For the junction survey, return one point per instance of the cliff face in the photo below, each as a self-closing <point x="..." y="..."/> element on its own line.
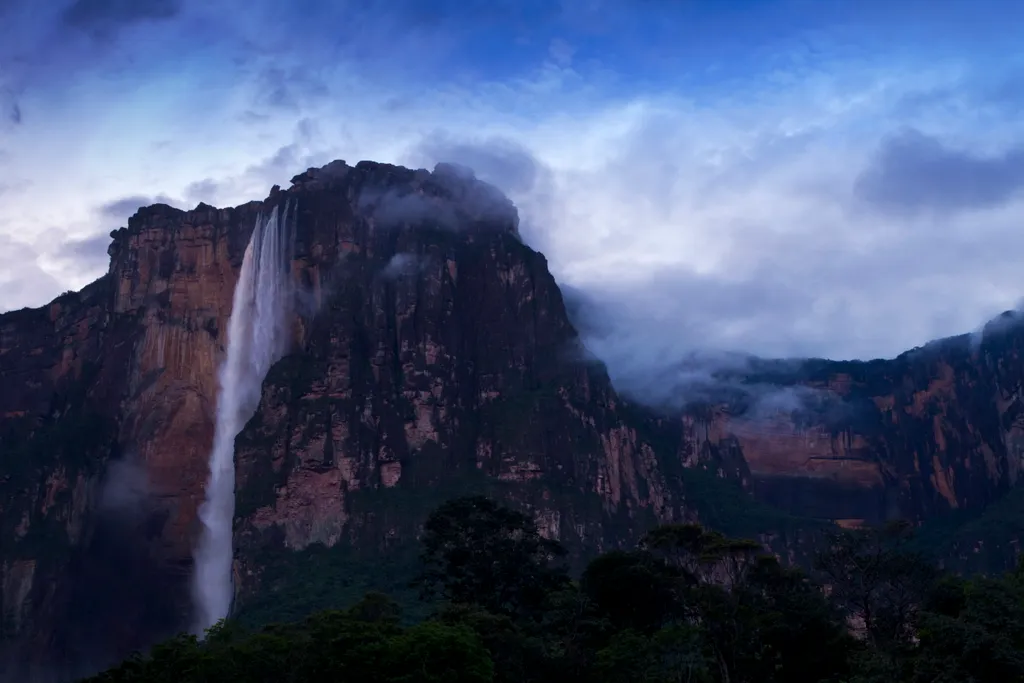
<point x="432" y="356"/>
<point x="433" y="361"/>
<point x="431" y="352"/>
<point x="937" y="430"/>
<point x="106" y="413"/>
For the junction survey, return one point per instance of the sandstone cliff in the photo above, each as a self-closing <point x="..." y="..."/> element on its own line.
<point x="106" y="418"/>
<point x="936" y="430"/>
<point x="431" y="350"/>
<point x="432" y="355"/>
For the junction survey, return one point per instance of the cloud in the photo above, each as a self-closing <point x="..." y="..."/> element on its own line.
<point x="1009" y="89"/>
<point x="506" y="164"/>
<point x="49" y="46"/>
<point x="690" y="241"/>
<point x="402" y="264"/>
<point x="125" y="488"/>
<point x="125" y="207"/>
<point x="1006" y="321"/>
<point x="22" y="280"/>
<point x="106" y="14"/>
<point x="203" y="191"/>
<point x="89" y="255"/>
<point x="914" y="172"/>
<point x="701" y="187"/>
<point x="291" y="88"/>
<point x="255" y="180"/>
<point x="393" y="209"/>
<point x="457" y="199"/>
<point x="501" y="162"/>
<point x="561" y="52"/>
<point x="656" y="369"/>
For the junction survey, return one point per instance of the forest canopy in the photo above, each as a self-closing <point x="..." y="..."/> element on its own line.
<point x="686" y="605"/>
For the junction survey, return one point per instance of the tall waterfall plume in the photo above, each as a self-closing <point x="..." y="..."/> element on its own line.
<point x="258" y="336"/>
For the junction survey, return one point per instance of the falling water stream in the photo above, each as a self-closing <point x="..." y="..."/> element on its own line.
<point x="258" y="336"/>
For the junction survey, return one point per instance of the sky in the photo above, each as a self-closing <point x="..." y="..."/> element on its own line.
<point x="779" y="177"/>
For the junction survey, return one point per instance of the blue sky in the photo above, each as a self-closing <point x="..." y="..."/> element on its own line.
<point x="786" y="177"/>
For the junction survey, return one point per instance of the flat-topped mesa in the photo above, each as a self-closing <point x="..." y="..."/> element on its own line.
<point x="450" y="197"/>
<point x="419" y="304"/>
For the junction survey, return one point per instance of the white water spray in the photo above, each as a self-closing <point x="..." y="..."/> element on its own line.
<point x="258" y="335"/>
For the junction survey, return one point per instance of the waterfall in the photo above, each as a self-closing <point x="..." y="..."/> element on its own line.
<point x="258" y="336"/>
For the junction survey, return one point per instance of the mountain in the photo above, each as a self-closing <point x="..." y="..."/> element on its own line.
<point x="431" y="355"/>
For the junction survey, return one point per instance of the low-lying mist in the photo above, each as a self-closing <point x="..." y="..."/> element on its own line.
<point x="681" y="329"/>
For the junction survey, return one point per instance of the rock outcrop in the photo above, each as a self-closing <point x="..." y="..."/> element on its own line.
<point x="432" y="355"/>
<point x="938" y="429"/>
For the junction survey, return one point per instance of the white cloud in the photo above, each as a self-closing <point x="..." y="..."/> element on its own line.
<point x="703" y="212"/>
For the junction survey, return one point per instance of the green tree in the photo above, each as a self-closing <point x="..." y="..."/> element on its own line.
<point x="756" y="617"/>
<point x="974" y="637"/>
<point x="671" y="655"/>
<point x="433" y="652"/>
<point x="475" y="551"/>
<point x="876" y="579"/>
<point x="704" y="555"/>
<point x="633" y="590"/>
<point x="517" y="654"/>
<point x="804" y="636"/>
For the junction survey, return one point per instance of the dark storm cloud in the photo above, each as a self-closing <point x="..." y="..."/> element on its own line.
<point x="122" y="209"/>
<point x="284" y="163"/>
<point x="203" y="191"/>
<point x="470" y="200"/>
<point x="94" y="14"/>
<point x="913" y="172"/>
<point x="256" y="179"/>
<point x="293" y="88"/>
<point x="507" y="165"/>
<point x="87" y="254"/>
<point x="50" y="44"/>
<point x="503" y="163"/>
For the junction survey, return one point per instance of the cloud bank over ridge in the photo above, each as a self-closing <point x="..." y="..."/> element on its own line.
<point x="780" y="178"/>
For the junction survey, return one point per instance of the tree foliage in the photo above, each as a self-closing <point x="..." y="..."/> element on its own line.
<point x="687" y="605"/>
<point x="475" y="551"/>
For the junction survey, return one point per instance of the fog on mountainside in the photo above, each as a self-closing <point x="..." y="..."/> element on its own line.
<point x="653" y="353"/>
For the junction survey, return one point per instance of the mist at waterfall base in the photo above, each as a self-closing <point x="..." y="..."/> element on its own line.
<point x="258" y="336"/>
